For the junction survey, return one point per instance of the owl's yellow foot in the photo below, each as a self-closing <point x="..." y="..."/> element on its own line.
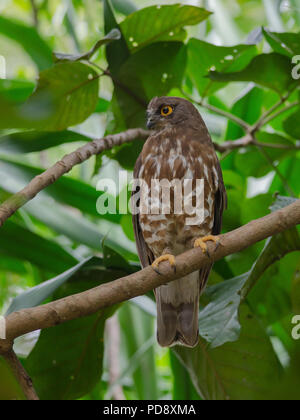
<point x="165" y="257"/>
<point x="201" y="243"/>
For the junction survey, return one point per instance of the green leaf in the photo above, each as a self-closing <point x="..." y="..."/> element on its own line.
<point x="242" y="370"/>
<point x="153" y="71"/>
<point x="283" y="43"/>
<point x="116" y="53"/>
<point x="36" y="295"/>
<point x="202" y="57"/>
<point x="72" y="89"/>
<point x="273" y="71"/>
<point x="218" y="321"/>
<point x="19" y="242"/>
<point x="291" y="124"/>
<point x="113" y="35"/>
<point x="36" y="141"/>
<point x="29" y="39"/>
<point x="160" y="23"/>
<point x="248" y="108"/>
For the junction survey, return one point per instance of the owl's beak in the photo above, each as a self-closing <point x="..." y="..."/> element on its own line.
<point x="150" y="123"/>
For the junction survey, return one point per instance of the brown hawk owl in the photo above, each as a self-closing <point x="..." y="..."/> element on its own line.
<point x="180" y="148"/>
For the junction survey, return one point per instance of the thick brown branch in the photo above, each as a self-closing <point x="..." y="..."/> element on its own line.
<point x="89" y="302"/>
<point x="21" y="375"/>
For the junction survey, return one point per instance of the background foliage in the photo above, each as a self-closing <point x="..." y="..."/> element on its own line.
<point x="100" y="82"/>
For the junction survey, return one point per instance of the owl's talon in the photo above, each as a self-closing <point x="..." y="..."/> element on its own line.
<point x="201" y="243"/>
<point x="166" y="257"/>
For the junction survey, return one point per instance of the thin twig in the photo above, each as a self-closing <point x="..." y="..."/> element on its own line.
<point x="278" y="113"/>
<point x="221" y="112"/>
<point x="267" y="116"/>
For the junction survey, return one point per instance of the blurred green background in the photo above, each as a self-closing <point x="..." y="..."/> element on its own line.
<point x="246" y="351"/>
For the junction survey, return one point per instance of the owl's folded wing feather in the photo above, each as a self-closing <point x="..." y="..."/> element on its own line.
<point x="145" y="254"/>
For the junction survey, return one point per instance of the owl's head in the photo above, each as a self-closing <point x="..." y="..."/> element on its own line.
<point x="168" y="111"/>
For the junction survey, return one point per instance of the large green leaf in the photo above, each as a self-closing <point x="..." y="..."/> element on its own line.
<point x="269" y="70"/>
<point x="153" y="71"/>
<point x="35" y="141"/>
<point x="29" y="39"/>
<point x="160" y="23"/>
<point x="202" y="57"/>
<point x="72" y="89"/>
<point x="242" y="370"/>
<point x="17" y="241"/>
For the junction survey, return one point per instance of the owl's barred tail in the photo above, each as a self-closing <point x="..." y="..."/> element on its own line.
<point x="177" y="312"/>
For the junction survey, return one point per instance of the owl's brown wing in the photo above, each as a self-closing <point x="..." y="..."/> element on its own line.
<point x="145" y="254"/>
<point x="220" y="205"/>
<point x="220" y="201"/>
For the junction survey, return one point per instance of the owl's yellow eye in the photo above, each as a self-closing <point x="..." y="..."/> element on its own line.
<point x="166" y="110"/>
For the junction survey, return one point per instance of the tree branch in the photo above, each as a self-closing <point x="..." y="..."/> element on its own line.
<point x="21" y="375"/>
<point x="108" y="294"/>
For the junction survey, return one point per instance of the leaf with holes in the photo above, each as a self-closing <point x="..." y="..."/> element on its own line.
<point x="202" y="57"/>
<point x="273" y="71"/>
<point x="160" y="23"/>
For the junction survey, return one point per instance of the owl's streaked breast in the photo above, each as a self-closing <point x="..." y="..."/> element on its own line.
<point x="175" y="159"/>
